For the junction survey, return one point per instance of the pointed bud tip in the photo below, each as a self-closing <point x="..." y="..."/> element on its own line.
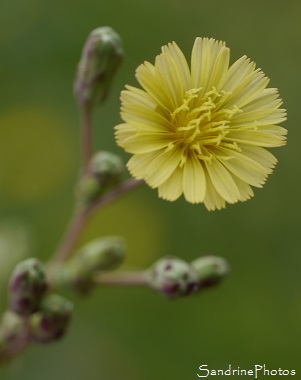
<point x="210" y="270"/>
<point x="101" y="56"/>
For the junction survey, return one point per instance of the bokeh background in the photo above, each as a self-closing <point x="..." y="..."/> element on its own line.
<point x="134" y="334"/>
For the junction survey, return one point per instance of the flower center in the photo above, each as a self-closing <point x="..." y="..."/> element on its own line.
<point x="201" y="122"/>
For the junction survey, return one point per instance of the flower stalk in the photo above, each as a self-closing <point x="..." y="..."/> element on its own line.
<point x="86" y="138"/>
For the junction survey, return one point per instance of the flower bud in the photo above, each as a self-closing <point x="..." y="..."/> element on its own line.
<point x="101" y="254"/>
<point x="101" y="56"/>
<point x="108" y="168"/>
<point x="88" y="190"/>
<point x="98" y="255"/>
<point x="105" y="171"/>
<point x="173" y="277"/>
<point x="210" y="270"/>
<point x="11" y="327"/>
<point x="27" y="287"/>
<point x="51" y="322"/>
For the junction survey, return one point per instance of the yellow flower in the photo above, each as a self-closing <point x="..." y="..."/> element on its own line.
<point x="201" y="131"/>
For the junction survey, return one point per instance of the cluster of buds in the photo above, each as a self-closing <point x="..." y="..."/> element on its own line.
<point x="105" y="171"/>
<point x="174" y="277"/>
<point x="99" y="255"/>
<point x="46" y="315"/>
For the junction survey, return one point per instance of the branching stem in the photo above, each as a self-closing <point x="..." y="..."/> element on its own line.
<point x="80" y="219"/>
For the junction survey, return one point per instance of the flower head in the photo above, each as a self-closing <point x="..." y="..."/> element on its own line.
<point x="201" y="130"/>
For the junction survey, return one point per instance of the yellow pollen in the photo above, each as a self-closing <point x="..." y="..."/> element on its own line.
<point x="200" y="122"/>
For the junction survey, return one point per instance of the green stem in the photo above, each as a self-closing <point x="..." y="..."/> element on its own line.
<point x="79" y="220"/>
<point x="86" y="137"/>
<point x="122" y="278"/>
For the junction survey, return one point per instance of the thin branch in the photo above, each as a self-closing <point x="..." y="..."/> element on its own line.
<point x="79" y="220"/>
<point x="122" y="279"/>
<point x="86" y="137"/>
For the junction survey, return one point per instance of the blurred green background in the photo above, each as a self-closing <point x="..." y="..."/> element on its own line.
<point x="134" y="334"/>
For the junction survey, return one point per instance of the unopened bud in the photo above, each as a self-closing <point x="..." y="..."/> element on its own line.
<point x="99" y="255"/>
<point x="51" y="322"/>
<point x="105" y="171"/>
<point x="101" y="56"/>
<point x="88" y="190"/>
<point x="173" y="277"/>
<point x="102" y="254"/>
<point x="27" y="287"/>
<point x="210" y="270"/>
<point x="11" y="327"/>
<point x="108" y="168"/>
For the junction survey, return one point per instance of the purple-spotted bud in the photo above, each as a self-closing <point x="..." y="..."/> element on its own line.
<point x="51" y="322"/>
<point x="101" y="56"/>
<point x="27" y="287"/>
<point x="210" y="270"/>
<point x="173" y="277"/>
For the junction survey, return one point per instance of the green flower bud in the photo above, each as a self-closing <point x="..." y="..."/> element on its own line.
<point x="108" y="168"/>
<point x="105" y="171"/>
<point x="51" y="322"/>
<point x="11" y="327"/>
<point x="27" y="287"/>
<point x="101" y="56"/>
<point x="210" y="270"/>
<point x="88" y="190"/>
<point x="173" y="277"/>
<point x="99" y="255"/>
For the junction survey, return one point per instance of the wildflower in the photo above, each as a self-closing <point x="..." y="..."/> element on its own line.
<point x="201" y="131"/>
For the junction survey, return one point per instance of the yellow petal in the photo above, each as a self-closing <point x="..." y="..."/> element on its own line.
<point x="170" y="79"/>
<point x="237" y="72"/>
<point x="180" y="62"/>
<point x="212" y="199"/>
<point x="145" y="143"/>
<point x="160" y="168"/>
<point x="208" y="56"/>
<point x="259" y="117"/>
<point x="242" y="166"/>
<point x="255" y="137"/>
<point x="138" y="163"/>
<point x="172" y="188"/>
<point x="194" y="180"/>
<point x="247" y="89"/>
<point x="146" y="76"/>
<point x="244" y="189"/>
<point x="222" y="180"/>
